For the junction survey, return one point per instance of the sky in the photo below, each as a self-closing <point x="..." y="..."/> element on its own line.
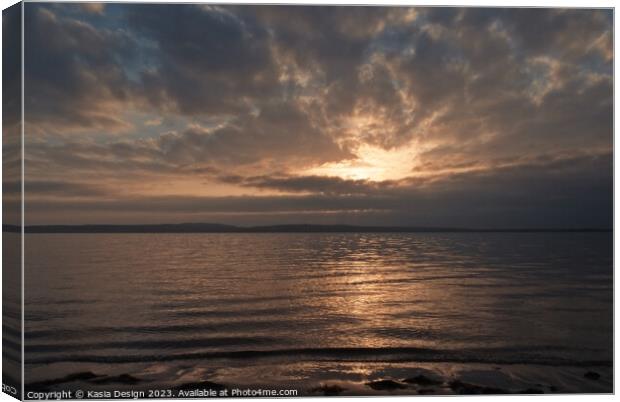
<point x="460" y="117"/>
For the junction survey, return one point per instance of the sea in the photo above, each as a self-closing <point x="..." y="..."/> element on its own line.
<point x="310" y="311"/>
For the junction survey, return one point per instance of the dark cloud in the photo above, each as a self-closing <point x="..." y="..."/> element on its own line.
<point x="211" y="62"/>
<point x="567" y="33"/>
<point x="74" y="78"/>
<point x="309" y="184"/>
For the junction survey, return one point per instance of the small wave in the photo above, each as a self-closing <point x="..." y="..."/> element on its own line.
<point x="155" y="344"/>
<point x="175" y="304"/>
<point x="395" y="354"/>
<point x="257" y="312"/>
<point x="218" y="327"/>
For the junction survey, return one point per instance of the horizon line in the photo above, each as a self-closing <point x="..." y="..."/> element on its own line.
<point x="207" y="227"/>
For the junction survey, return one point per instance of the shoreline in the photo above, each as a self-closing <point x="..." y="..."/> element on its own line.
<point x="341" y="379"/>
<point x="288" y="228"/>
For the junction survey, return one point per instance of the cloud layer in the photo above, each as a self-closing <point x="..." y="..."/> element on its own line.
<point x="275" y="114"/>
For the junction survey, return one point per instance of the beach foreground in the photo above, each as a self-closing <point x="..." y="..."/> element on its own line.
<point x="333" y="379"/>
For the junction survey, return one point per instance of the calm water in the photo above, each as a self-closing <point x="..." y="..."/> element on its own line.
<point x="101" y="301"/>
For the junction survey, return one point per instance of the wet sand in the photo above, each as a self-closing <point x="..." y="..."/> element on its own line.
<point x="342" y="379"/>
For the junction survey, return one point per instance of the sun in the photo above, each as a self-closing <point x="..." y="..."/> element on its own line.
<point x="372" y="164"/>
<point x="350" y="170"/>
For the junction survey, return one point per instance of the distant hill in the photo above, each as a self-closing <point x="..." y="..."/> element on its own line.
<point x="294" y="228"/>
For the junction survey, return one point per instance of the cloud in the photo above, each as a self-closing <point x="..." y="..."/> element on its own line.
<point x="566" y="193"/>
<point x="11" y="67"/>
<point x="54" y="188"/>
<point x="280" y="134"/>
<point x="505" y="114"/>
<point x="211" y="63"/>
<point x="95" y="8"/>
<point x="482" y="82"/>
<point x="11" y="112"/>
<point x="74" y="78"/>
<point x="309" y="184"/>
<point x="279" y="137"/>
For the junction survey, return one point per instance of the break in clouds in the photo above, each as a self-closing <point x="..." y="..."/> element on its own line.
<point x="287" y="114"/>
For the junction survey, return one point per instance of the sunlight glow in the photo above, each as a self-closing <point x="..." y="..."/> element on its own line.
<point x="372" y="163"/>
